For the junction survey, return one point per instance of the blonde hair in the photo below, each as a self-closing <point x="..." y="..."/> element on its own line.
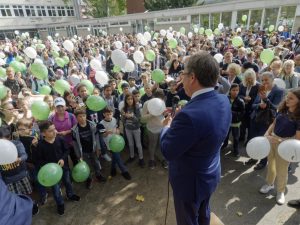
<point x="235" y="67"/>
<point x="249" y="73"/>
<point x="287" y="63"/>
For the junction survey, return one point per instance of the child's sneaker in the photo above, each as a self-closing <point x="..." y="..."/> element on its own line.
<point x="61" y="209"/>
<point x="101" y="178"/>
<point x="113" y="172"/>
<point x="35" y="209"/>
<point x="130" y="160"/>
<point x="126" y="175"/>
<point x="165" y="164"/>
<point x="106" y="157"/>
<point x="74" y="198"/>
<point x="142" y="163"/>
<point x="44" y="199"/>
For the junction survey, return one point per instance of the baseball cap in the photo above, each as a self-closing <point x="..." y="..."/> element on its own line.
<point x="59" y="102"/>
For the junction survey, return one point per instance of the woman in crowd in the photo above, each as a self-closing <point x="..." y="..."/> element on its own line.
<point x="288" y="74"/>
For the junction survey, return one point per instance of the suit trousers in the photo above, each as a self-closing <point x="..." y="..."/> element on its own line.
<point x="277" y="166"/>
<point x="190" y="213"/>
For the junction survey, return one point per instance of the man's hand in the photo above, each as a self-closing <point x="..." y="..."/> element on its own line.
<point x="61" y="163"/>
<point x="167" y="121"/>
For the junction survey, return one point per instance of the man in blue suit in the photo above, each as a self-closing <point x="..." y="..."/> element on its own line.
<point x="191" y="141"/>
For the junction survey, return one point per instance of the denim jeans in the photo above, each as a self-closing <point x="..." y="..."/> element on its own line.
<point x="116" y="160"/>
<point x="92" y="160"/>
<point x="235" y="136"/>
<point x="33" y="176"/>
<point x="103" y="146"/>
<point x="68" y="185"/>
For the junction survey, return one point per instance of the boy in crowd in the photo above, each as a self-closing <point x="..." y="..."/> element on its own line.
<point x="52" y="149"/>
<point x="86" y="144"/>
<point x="171" y="93"/>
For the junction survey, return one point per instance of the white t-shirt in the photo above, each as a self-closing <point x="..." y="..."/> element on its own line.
<point x="109" y="126"/>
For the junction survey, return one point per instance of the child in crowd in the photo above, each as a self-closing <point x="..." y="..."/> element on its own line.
<point x="109" y="128"/>
<point x="131" y="120"/>
<point x="238" y="110"/>
<point x="171" y="93"/>
<point x="86" y="144"/>
<point x="148" y="93"/>
<point x="52" y="149"/>
<point x="15" y="175"/>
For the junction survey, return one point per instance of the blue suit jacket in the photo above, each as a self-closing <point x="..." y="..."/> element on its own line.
<point x="192" y="146"/>
<point x="14" y="209"/>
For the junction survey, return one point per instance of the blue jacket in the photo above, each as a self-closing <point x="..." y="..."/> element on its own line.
<point x="192" y="145"/>
<point x="14" y="209"/>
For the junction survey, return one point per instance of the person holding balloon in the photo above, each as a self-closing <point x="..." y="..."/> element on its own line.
<point x="86" y="144"/>
<point x="285" y="126"/>
<point x="53" y="149"/>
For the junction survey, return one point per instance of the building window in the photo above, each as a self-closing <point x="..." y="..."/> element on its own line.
<point x="226" y="18"/>
<point x="51" y="10"/>
<point x="239" y="19"/>
<point x="41" y="11"/>
<point x="195" y="20"/>
<point x="214" y="20"/>
<point x="287" y="16"/>
<point x="18" y="10"/>
<point x="270" y="17"/>
<point x="61" y="11"/>
<point x="255" y="19"/>
<point x="30" y="10"/>
<point x="204" y="20"/>
<point x="70" y="11"/>
<point x="5" y="10"/>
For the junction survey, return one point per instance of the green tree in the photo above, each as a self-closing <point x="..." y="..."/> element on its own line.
<point x="104" y="8"/>
<point x="154" y="5"/>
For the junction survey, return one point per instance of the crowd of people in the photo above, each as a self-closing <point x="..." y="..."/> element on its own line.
<point x="73" y="131"/>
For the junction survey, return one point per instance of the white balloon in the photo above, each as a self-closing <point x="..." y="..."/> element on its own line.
<point x="154" y="44"/>
<point x="289" y="150"/>
<point x="2" y="62"/>
<point x="147" y="36"/>
<point x="220" y="26"/>
<point x="101" y="77"/>
<point x="156" y="106"/>
<point x="239" y="30"/>
<point x="139" y="36"/>
<point x="8" y="152"/>
<point x="280" y="83"/>
<point x="2" y="55"/>
<point x="143" y="41"/>
<point x="49" y="38"/>
<point x="55" y="47"/>
<point x="26" y="34"/>
<point x="88" y="29"/>
<point x="281" y="28"/>
<point x="34" y="41"/>
<point x="68" y="45"/>
<point x="75" y="36"/>
<point x="258" y="148"/>
<point x="129" y="66"/>
<point x="190" y="35"/>
<point x="121" y="29"/>
<point x="118" y="44"/>
<point x="30" y="52"/>
<point x="138" y="57"/>
<point x="74" y="79"/>
<point x="6" y="49"/>
<point x="218" y="57"/>
<point x="196" y="30"/>
<point x="169" y="35"/>
<point x="38" y="61"/>
<point x="211" y="37"/>
<point x="170" y="28"/>
<point x="17" y="32"/>
<point x="163" y="32"/>
<point x="73" y="40"/>
<point x="96" y="64"/>
<point x="57" y="34"/>
<point x="119" y="57"/>
<point x="88" y="37"/>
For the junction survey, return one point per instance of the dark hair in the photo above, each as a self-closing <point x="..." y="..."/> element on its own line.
<point x="80" y="86"/>
<point x="234" y="85"/>
<point x="107" y="110"/>
<point x="44" y="125"/>
<point x="79" y="111"/>
<point x="205" y="68"/>
<point x="106" y="86"/>
<point x="126" y="106"/>
<point x="158" y="93"/>
<point x="135" y="92"/>
<point x="5" y="132"/>
<point x="282" y="108"/>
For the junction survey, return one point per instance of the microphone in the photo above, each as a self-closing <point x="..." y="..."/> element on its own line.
<point x="175" y="101"/>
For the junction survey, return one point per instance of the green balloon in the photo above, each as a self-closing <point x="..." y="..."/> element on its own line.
<point x="19" y="58"/>
<point x="60" y="62"/>
<point x="2" y="72"/>
<point x="182" y="30"/>
<point x="156" y="35"/>
<point x="142" y="91"/>
<point x="158" y="75"/>
<point x="201" y="30"/>
<point x="23" y="67"/>
<point x="50" y="174"/>
<point x="182" y="102"/>
<point x="45" y="90"/>
<point x="39" y="71"/>
<point x="116" y="69"/>
<point x="120" y="86"/>
<point x="40" y="110"/>
<point x="217" y="32"/>
<point x="244" y="18"/>
<point x="116" y="143"/>
<point x="66" y="59"/>
<point x="16" y="66"/>
<point x="3" y="91"/>
<point x="95" y="103"/>
<point x="89" y="86"/>
<point x="40" y="46"/>
<point x="146" y="28"/>
<point x="266" y="56"/>
<point x="237" y="41"/>
<point x="61" y="86"/>
<point x="271" y="28"/>
<point x="81" y="172"/>
<point x="208" y="32"/>
<point x="55" y="54"/>
<point x="150" y="55"/>
<point x="172" y="43"/>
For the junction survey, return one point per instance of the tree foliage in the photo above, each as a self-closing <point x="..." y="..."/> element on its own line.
<point x="154" y="5"/>
<point x="104" y="8"/>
